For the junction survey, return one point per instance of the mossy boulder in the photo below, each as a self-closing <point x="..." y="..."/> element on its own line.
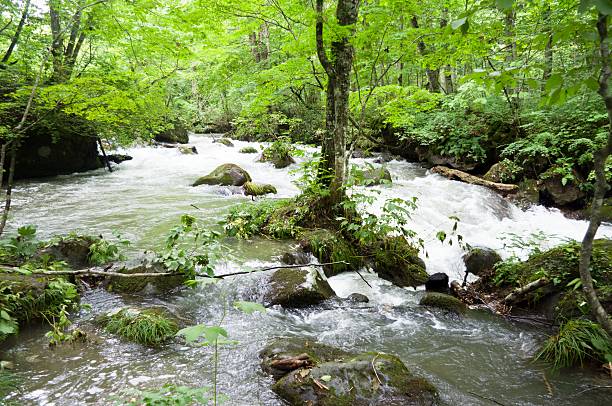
<point x="502" y="172"/>
<point x="328" y="376"/>
<point x="225" y="175"/>
<point x="187" y="150"/>
<point x="152" y="284"/>
<point x="225" y="141"/>
<point x="396" y="260"/>
<point x="555" y="193"/>
<point x="528" y="193"/>
<point x="479" y="260"/>
<point x="328" y="246"/>
<point x="373" y="176"/>
<point x="150" y="326"/>
<point x="280" y="158"/>
<point x="258" y="189"/>
<point x="72" y="249"/>
<point x="177" y="134"/>
<point x="443" y="301"/>
<point x="248" y="150"/>
<point x="301" y="287"/>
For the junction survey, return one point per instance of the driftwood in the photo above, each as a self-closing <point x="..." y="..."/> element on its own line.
<point x="292" y="363"/>
<point x="455" y="174"/>
<point x="519" y="293"/>
<point x="93" y="272"/>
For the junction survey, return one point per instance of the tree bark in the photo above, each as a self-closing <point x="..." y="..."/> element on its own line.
<point x="15" y="39"/>
<point x="601" y="184"/>
<point x="433" y="75"/>
<point x="548" y="51"/>
<point x="9" y="188"/>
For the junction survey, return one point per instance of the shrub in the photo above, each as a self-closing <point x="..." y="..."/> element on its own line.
<point x="149" y="327"/>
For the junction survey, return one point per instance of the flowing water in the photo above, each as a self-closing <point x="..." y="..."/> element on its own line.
<point x="470" y="359"/>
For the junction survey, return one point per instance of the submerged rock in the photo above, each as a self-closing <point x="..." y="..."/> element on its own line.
<point x="300" y="287"/>
<point x="225" y="175"/>
<point x="397" y="261"/>
<point x="443" y="301"/>
<point x="479" y="260"/>
<point x="258" y="189"/>
<point x="437" y="282"/>
<point x="307" y="372"/>
<point x="528" y="193"/>
<point x="177" y="134"/>
<point x="358" y="298"/>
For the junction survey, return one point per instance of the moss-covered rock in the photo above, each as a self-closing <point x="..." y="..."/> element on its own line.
<point x="301" y="287"/>
<point x="331" y="376"/>
<point x="397" y="261"/>
<point x="148" y="326"/>
<point x="443" y="301"/>
<point x="258" y="189"/>
<point x="503" y="172"/>
<point x="279" y="154"/>
<point x="225" y="141"/>
<point x="328" y="246"/>
<point x="528" y="194"/>
<point x="156" y="284"/>
<point x="479" y="260"/>
<point x="248" y="150"/>
<point x="187" y="150"/>
<point x="225" y="175"/>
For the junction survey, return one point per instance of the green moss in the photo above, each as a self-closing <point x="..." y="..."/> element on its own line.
<point x="248" y="150"/>
<point x="293" y="288"/>
<point x="442" y="301"/>
<point x="150" y="327"/>
<point x="328" y="246"/>
<point x="267" y="217"/>
<point x="256" y="189"/>
<point x="396" y="260"/>
<point x="135" y="285"/>
<point x="279" y="153"/>
<point x="225" y="141"/>
<point x="225" y="175"/>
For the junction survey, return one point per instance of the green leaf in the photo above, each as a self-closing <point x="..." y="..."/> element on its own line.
<point x="249" y="307"/>
<point x="326" y="378"/>
<point x="209" y="333"/>
<point x="5" y="315"/>
<point x="604" y="6"/>
<point x="554" y="82"/>
<point x="458" y="23"/>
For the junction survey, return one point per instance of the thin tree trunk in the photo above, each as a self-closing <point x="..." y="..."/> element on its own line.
<point x="2" y="160"/>
<point x="433" y="75"/>
<point x="548" y="51"/>
<point x="9" y="188"/>
<point x="601" y="184"/>
<point x="15" y="39"/>
<point x="57" y="43"/>
<point x="108" y="165"/>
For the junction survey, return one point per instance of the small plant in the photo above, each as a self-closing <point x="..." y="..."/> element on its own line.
<point x="577" y="341"/>
<point x="149" y="327"/>
<point x="103" y="251"/>
<point x="248" y="150"/>
<point x="20" y="247"/>
<point x="59" y="324"/>
<point x="168" y="395"/>
<point x="280" y="152"/>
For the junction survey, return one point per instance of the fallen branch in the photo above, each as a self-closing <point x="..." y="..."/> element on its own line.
<point x="455" y="174"/>
<point x="292" y="363"/>
<point x="93" y="272"/>
<point x="519" y="293"/>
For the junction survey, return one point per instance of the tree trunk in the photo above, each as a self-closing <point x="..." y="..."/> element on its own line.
<point x="15" y="39"/>
<point x="601" y="184"/>
<point x="548" y="52"/>
<point x="433" y="75"/>
<point x="9" y="188"/>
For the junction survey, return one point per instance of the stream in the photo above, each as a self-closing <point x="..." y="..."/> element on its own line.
<point x="469" y="359"/>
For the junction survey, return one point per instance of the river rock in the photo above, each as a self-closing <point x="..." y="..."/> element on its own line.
<point x="279" y="161"/>
<point x="225" y="141"/>
<point x="225" y="175"/>
<point x="309" y="373"/>
<point x="500" y="173"/>
<point x="555" y="193"/>
<point x="479" y="260"/>
<point x="118" y="158"/>
<point x="74" y="250"/>
<point x="248" y="150"/>
<point x="358" y="298"/>
<point x="443" y="301"/>
<point x="300" y="287"/>
<point x="178" y="134"/>
<point x="152" y="284"/>
<point x="398" y="261"/>
<point x="452" y="162"/>
<point x="129" y="323"/>
<point x="376" y="176"/>
<point x="187" y="150"/>
<point x="437" y="282"/>
<point x="258" y="189"/>
<point x="295" y="258"/>
<point x="528" y="193"/>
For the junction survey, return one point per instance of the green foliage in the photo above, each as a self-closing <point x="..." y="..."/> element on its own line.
<point x="168" y="395"/>
<point x="150" y="327"/>
<point x="103" y="251"/>
<point x="576" y="342"/>
<point x="16" y="249"/>
<point x="328" y="247"/>
<point x="189" y="248"/>
<point x="248" y="150"/>
<point x="275" y="218"/>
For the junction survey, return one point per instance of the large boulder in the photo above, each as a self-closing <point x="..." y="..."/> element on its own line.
<point x="309" y="373"/>
<point x="479" y="260"/>
<point x="555" y="193"/>
<point x="301" y="287"/>
<point x="398" y="262"/>
<point x="177" y="134"/>
<point x="502" y="172"/>
<point x="225" y="175"/>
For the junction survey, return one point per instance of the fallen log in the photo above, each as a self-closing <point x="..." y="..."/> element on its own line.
<point x="455" y="174"/>
<point x="292" y="363"/>
<point x="519" y="293"/>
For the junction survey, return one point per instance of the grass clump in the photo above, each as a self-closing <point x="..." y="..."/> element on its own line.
<point x="248" y="150"/>
<point x="150" y="327"/>
<point x="272" y="218"/>
<point x="577" y="341"/>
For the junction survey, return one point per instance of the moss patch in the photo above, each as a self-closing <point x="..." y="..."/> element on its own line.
<point x="397" y="261"/>
<point x="225" y="141"/>
<point x="328" y="246"/>
<point x="150" y="327"/>
<point x="248" y="150"/>
<point x="443" y="301"/>
<point x="225" y="175"/>
<point x="257" y="189"/>
<point x="301" y="287"/>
